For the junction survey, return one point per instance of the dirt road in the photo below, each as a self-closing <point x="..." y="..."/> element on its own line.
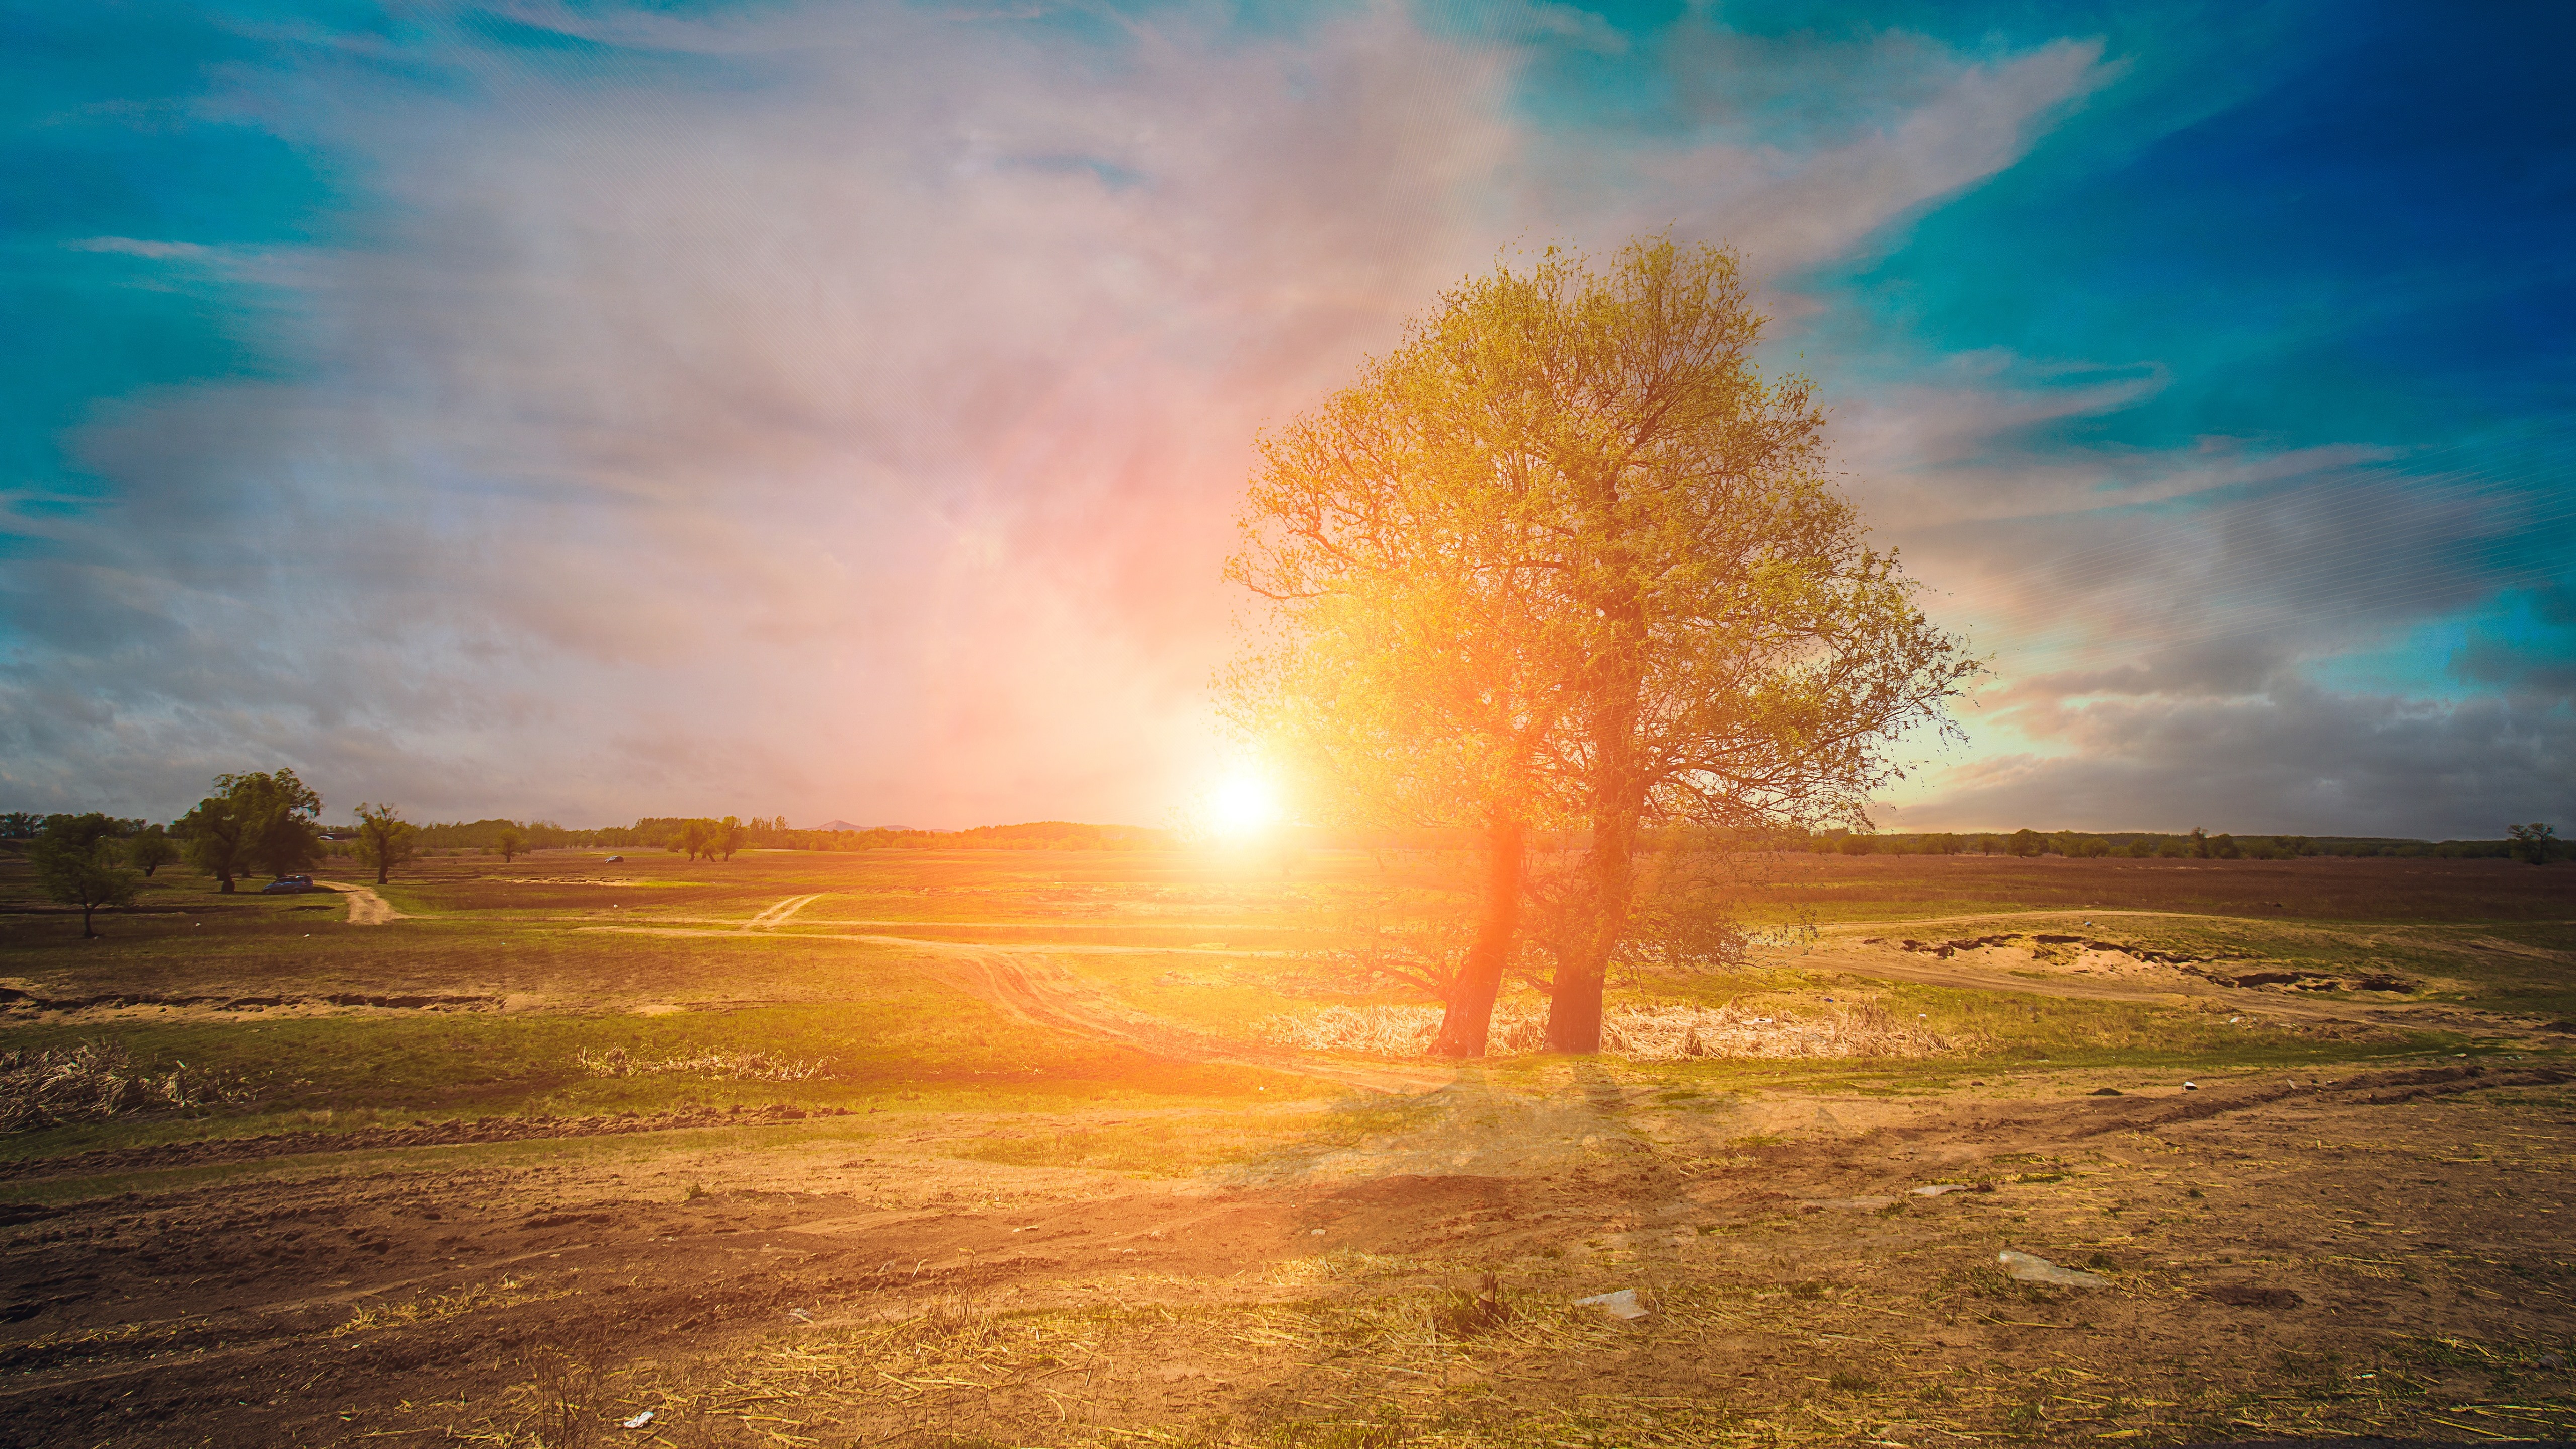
<point x="366" y="908"/>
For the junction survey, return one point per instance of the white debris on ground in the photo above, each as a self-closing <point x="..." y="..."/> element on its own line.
<point x="1622" y="1304"/>
<point x="1640" y="1033"/>
<point x="2031" y="1268"/>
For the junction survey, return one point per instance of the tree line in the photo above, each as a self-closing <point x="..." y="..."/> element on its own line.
<point x="2535" y="843"/>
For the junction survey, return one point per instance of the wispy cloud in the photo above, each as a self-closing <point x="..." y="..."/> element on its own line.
<point x="861" y="434"/>
<point x="840" y="409"/>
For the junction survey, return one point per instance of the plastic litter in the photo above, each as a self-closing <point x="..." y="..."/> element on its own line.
<point x="1314" y="1232"/>
<point x="800" y="1315"/>
<point x="1935" y="1189"/>
<point x="2031" y="1268"/>
<point x="638" y="1422"/>
<point x="1622" y="1304"/>
<point x="2191" y="1086"/>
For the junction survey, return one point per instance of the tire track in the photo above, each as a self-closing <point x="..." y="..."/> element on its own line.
<point x="779" y="914"/>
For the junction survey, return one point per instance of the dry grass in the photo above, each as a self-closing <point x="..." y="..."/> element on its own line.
<point x="90" y="1080"/>
<point x="713" y="1063"/>
<point x="434" y="1307"/>
<point x="1666" y="1033"/>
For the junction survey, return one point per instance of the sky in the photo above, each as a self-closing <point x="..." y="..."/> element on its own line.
<point x="585" y="411"/>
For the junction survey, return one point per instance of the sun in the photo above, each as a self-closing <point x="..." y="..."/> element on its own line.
<point x="1245" y="804"/>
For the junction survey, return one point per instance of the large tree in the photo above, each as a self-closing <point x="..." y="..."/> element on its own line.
<point x="1412" y="666"/>
<point x="1579" y="484"/>
<point x="77" y="863"/>
<point x="256" y="821"/>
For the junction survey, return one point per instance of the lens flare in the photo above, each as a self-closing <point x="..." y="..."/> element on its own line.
<point x="1244" y="805"/>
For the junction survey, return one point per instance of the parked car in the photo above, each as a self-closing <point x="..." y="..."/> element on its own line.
<point x="614" y="860"/>
<point x="289" y="885"/>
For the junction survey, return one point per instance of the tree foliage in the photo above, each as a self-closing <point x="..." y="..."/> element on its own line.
<point x="77" y="863"/>
<point x="385" y="839"/>
<point x="1566" y="557"/>
<point x="150" y="849"/>
<point x="2534" y="844"/>
<point x="255" y="821"/>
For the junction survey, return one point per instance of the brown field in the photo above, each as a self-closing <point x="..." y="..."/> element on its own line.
<point x="994" y="1148"/>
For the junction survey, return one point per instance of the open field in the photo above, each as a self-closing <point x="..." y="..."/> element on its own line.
<point x="1006" y="1148"/>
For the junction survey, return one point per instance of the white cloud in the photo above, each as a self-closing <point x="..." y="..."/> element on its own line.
<point x="846" y="422"/>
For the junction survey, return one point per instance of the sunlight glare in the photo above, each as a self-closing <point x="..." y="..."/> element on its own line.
<point x="1245" y="805"/>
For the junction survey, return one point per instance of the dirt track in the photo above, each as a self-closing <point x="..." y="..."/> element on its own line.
<point x="366" y="908"/>
<point x="401" y="1289"/>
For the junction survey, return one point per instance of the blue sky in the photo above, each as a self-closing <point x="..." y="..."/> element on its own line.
<point x="838" y="410"/>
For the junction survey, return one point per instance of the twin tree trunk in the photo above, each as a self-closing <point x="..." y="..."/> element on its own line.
<point x="1470" y="1013"/>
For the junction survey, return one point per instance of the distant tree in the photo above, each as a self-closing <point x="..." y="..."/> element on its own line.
<point x="2141" y="849"/>
<point x="385" y="839"/>
<point x="2027" y="843"/>
<point x="150" y="849"/>
<point x="76" y="864"/>
<point x="694" y="838"/>
<point x="21" y="825"/>
<point x="254" y="821"/>
<point x="213" y="832"/>
<point x="1943" y="844"/>
<point x="1857" y="844"/>
<point x="1989" y="844"/>
<point x="728" y="837"/>
<point x="2534" y="844"/>
<point x="2199" y="843"/>
<point x="509" y="841"/>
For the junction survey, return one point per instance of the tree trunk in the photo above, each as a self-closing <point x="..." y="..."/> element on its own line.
<point x="1470" y="1013"/>
<point x="227" y="887"/>
<point x="1574" y="1010"/>
<point x="87" y="933"/>
<point x="381" y="868"/>
<point x="1618" y="799"/>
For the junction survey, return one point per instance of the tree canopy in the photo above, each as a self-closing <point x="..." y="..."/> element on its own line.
<point x="1565" y="557"/>
<point x="77" y="860"/>
<point x="254" y="821"/>
<point x="385" y="839"/>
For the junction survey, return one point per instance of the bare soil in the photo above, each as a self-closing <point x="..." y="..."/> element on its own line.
<point x="2257" y="1234"/>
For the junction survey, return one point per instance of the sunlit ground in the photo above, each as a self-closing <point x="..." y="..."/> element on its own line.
<point x="1040" y="1148"/>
